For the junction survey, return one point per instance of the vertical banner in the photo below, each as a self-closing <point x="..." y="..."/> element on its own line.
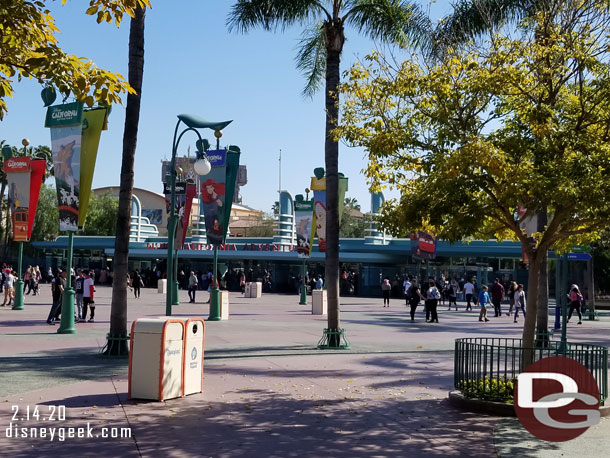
<point x="94" y="122"/>
<point x="65" y="123"/>
<point x="38" y="168"/>
<point x="185" y="218"/>
<point x="18" y="179"/>
<point x="180" y="192"/>
<point x="318" y="186"/>
<point x="303" y="215"/>
<point x="213" y="198"/>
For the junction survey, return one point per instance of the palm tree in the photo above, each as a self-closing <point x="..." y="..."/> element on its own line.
<point x="390" y="21"/>
<point x="118" y="310"/>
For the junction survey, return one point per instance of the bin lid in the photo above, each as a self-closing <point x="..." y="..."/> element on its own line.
<point x="174" y="331"/>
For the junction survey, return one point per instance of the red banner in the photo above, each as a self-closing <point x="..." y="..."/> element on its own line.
<point x="38" y="168"/>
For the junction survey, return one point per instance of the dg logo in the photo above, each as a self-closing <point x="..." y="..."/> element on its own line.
<point x="557" y="399"/>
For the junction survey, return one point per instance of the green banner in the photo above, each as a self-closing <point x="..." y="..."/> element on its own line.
<point x="68" y="114"/>
<point x="95" y="122"/>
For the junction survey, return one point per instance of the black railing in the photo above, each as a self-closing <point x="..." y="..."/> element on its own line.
<point x="487" y="368"/>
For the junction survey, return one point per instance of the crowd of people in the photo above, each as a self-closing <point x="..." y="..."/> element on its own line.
<point x="84" y="293"/>
<point x="487" y="300"/>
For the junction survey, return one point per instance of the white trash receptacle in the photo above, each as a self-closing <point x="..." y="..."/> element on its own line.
<point x="318" y="302"/>
<point x="254" y="289"/>
<point x="162" y="286"/>
<point x="224" y="304"/>
<point x="155" y="359"/>
<point x="194" y="344"/>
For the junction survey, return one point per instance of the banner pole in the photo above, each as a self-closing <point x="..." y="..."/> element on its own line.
<point x="67" y="304"/>
<point x="303" y="300"/>
<point x="18" y="301"/>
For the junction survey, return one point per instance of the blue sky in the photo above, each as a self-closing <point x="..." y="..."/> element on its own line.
<point x="193" y="65"/>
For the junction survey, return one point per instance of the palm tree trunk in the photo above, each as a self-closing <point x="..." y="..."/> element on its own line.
<point x="331" y="154"/>
<point x="118" y="311"/>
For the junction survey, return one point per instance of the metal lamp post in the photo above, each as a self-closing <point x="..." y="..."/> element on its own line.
<point x="202" y="167"/>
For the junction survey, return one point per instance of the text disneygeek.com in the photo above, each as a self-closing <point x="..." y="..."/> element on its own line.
<point x="48" y="419"/>
<point x="61" y="433"/>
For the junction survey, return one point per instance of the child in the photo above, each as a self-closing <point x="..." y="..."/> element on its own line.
<point x="484" y="302"/>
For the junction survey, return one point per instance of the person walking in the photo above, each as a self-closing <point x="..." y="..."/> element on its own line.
<point x="497" y="296"/>
<point x="385" y="290"/>
<point x="192" y="287"/>
<point x="57" y="289"/>
<point x="88" y="290"/>
<point x="453" y="292"/>
<point x="136" y="284"/>
<point x="406" y="285"/>
<point x="575" y="298"/>
<point x="9" y="280"/>
<point x="520" y="301"/>
<point x="242" y="282"/>
<point x="26" y="280"/>
<point x="432" y="297"/>
<point x="511" y="297"/>
<point x="468" y="291"/>
<point x="484" y="302"/>
<point x="78" y="290"/>
<point x="413" y="298"/>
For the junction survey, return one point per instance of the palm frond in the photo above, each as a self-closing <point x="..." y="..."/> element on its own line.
<point x="272" y="14"/>
<point x="392" y="21"/>
<point x="311" y="58"/>
<point x="472" y="18"/>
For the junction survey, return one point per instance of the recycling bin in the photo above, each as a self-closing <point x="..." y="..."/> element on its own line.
<point x="162" y="286"/>
<point x="194" y="340"/>
<point x="319" y="304"/>
<point x="224" y="304"/>
<point x="247" y="289"/>
<point x="155" y="359"/>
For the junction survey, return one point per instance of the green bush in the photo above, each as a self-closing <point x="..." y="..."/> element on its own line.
<point x="497" y="390"/>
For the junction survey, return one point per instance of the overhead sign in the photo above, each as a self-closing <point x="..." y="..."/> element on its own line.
<point x="579" y="257"/>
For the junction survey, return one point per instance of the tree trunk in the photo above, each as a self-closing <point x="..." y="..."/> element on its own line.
<point x="118" y="311"/>
<point x="334" y="35"/>
<point x="529" y="328"/>
<point x="542" y="319"/>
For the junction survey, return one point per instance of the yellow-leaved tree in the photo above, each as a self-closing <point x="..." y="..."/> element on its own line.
<point x="488" y="128"/>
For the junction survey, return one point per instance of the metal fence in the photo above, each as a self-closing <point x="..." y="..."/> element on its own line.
<point x="487" y="368"/>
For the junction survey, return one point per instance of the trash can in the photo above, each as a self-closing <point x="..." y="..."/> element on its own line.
<point x="194" y="344"/>
<point x="162" y="286"/>
<point x="318" y="303"/>
<point x="155" y="360"/>
<point x="254" y="289"/>
<point x="224" y="304"/>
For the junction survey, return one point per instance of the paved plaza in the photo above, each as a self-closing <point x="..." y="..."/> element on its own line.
<point x="268" y="392"/>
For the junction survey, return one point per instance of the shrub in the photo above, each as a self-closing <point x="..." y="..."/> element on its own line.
<point x="497" y="390"/>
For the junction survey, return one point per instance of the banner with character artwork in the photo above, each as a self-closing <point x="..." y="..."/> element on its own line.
<point x="303" y="216"/>
<point x="65" y="122"/>
<point x="65" y="144"/>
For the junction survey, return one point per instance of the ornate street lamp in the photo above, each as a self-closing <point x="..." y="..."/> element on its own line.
<point x="202" y="167"/>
